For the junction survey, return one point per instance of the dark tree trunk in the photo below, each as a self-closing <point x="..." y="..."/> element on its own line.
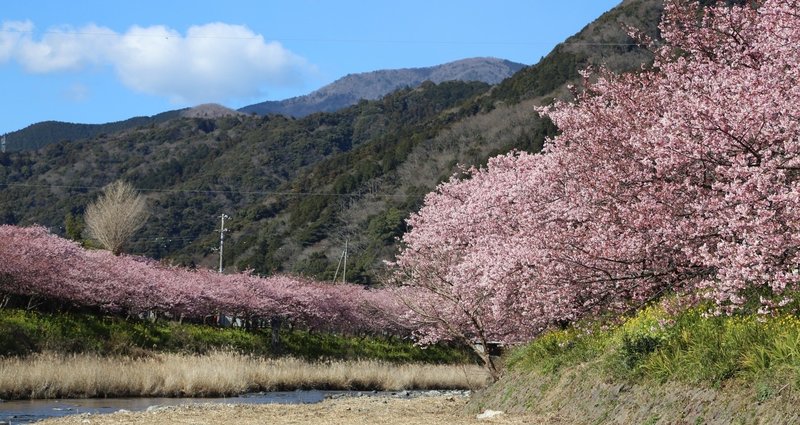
<point x="275" y="343"/>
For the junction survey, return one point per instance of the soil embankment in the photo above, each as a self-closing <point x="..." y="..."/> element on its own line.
<point x="580" y="395"/>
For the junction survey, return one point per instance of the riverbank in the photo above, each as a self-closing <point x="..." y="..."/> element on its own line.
<point x="215" y="374"/>
<point x="661" y="365"/>
<point x="437" y="410"/>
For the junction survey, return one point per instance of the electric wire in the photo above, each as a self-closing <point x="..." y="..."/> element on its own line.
<point x="313" y="39"/>
<point x="217" y="192"/>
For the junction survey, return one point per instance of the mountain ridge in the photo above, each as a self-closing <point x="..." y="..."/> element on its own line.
<point x="342" y="93"/>
<point x="40" y="134"/>
<point x="372" y="85"/>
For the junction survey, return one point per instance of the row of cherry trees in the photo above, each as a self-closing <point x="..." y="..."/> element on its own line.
<point x="680" y="178"/>
<point x="34" y="262"/>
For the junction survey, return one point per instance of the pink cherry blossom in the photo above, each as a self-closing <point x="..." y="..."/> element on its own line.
<point x="34" y="262"/>
<point x="682" y="177"/>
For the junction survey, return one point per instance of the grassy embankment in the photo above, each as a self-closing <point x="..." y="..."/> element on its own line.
<point x="82" y="355"/>
<point x="657" y="367"/>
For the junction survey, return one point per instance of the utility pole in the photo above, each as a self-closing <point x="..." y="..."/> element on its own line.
<point x="3" y="144"/>
<point x="342" y="257"/>
<point x="222" y="231"/>
<point x="344" y="273"/>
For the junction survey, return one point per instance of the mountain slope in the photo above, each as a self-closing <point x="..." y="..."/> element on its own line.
<point x="192" y="169"/>
<point x="486" y="125"/>
<point x="350" y="89"/>
<point x="604" y="42"/>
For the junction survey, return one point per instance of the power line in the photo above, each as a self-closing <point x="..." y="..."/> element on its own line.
<point x="316" y="39"/>
<point x="169" y="238"/>
<point x="213" y="192"/>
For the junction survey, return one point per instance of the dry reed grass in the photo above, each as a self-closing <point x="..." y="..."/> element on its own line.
<point x="216" y="374"/>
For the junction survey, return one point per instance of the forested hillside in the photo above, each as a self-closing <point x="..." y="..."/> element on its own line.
<point x="300" y="190"/>
<point x="38" y="135"/>
<point x="192" y="169"/>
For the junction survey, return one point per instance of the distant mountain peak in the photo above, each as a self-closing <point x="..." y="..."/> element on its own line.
<point x="351" y="88"/>
<point x="209" y="110"/>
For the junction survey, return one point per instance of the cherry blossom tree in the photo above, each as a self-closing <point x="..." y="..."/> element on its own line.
<point x="696" y="160"/>
<point x="36" y="263"/>
<point x="682" y="177"/>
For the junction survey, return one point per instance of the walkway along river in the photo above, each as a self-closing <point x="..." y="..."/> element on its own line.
<point x="27" y="411"/>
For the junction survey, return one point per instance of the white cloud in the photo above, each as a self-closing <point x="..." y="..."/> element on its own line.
<point x="211" y="62"/>
<point x="11" y="33"/>
<point x="65" y="49"/>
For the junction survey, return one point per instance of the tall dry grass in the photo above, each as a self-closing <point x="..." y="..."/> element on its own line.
<point x="216" y="374"/>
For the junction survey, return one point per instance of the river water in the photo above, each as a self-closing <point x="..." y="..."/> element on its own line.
<point x="27" y="411"/>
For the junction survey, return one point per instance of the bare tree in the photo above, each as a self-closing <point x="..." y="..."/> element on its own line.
<point x="116" y="215"/>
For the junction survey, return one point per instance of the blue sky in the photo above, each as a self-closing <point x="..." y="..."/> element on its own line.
<point x="101" y="61"/>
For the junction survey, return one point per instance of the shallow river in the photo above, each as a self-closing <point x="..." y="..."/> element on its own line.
<point x="27" y="411"/>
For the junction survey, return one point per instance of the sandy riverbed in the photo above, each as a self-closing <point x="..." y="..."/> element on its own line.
<point x="350" y="411"/>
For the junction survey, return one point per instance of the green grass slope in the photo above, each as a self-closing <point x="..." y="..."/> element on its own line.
<point x="658" y="368"/>
<point x="23" y="333"/>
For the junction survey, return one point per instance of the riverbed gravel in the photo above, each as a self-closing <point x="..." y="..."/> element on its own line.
<point x="383" y="410"/>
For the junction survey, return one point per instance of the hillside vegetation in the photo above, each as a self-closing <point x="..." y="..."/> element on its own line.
<point x="658" y="366"/>
<point x="193" y="169"/>
<point x="24" y="333"/>
<point x="36" y="136"/>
